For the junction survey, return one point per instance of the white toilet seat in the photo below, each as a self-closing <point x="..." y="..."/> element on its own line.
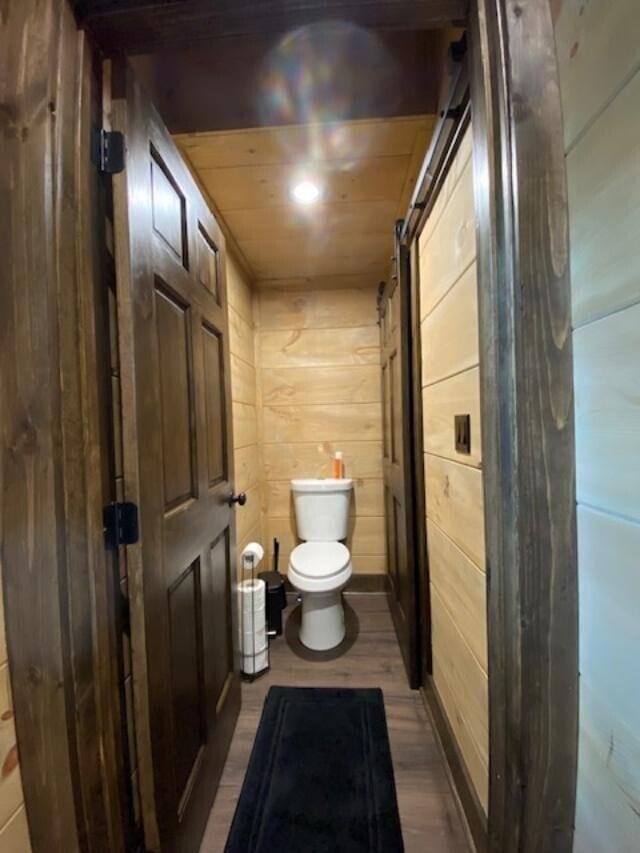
<point x="320" y="559"/>
<point x="319" y="566"/>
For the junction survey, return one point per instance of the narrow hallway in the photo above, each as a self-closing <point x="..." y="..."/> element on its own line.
<point x="324" y="310"/>
<point x="368" y="657"/>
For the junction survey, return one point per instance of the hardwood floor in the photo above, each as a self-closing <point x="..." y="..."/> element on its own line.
<point x="369" y="657"/>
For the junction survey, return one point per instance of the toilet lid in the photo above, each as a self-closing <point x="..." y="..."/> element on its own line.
<point x="320" y="559"/>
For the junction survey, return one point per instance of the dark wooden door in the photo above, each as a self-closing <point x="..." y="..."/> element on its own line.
<point x="395" y="324"/>
<point x="173" y="342"/>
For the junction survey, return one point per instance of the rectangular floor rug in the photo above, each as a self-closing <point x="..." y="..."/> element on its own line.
<point x="320" y="777"/>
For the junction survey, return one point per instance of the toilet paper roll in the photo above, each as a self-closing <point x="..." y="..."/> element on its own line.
<point x="252" y="596"/>
<point x="252" y="556"/>
<point x="254" y="640"/>
<point x="252" y="622"/>
<point x="255" y="663"/>
<point x="253" y="618"/>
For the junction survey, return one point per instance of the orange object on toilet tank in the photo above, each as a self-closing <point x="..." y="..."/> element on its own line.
<point x="338" y="466"/>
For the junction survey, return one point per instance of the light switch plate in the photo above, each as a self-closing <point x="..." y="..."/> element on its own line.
<point x="462" y="428"/>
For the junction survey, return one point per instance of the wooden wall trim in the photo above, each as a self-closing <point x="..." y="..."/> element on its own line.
<point x="469" y="805"/>
<point x="528" y="428"/>
<point x="414" y="470"/>
<point x="423" y="586"/>
<point x="55" y="579"/>
<point x="400" y="473"/>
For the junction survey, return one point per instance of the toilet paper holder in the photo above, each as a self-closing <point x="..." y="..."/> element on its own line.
<point x="254" y="644"/>
<point x="252" y="556"/>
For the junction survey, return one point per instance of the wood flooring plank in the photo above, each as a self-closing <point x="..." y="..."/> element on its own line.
<point x="428" y="813"/>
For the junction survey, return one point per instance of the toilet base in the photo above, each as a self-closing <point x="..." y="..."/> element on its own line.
<point x="322" y="625"/>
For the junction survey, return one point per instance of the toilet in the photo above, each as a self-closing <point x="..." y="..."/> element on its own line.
<point x="320" y="567"/>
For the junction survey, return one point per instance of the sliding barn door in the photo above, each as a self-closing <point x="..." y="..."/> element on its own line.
<point x="174" y="351"/>
<point x="395" y="320"/>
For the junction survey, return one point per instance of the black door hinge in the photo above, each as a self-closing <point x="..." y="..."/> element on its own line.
<point x="107" y="150"/>
<point x="120" y="524"/>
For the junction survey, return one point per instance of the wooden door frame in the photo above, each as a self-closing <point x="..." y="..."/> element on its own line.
<point x="526" y="367"/>
<point x="526" y="374"/>
<point x="58" y="594"/>
<point x="409" y="641"/>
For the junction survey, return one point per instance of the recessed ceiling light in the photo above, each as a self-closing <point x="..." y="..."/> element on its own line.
<point x="306" y="192"/>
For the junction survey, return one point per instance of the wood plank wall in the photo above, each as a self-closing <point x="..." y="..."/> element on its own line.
<point x="319" y="379"/>
<point x="244" y="406"/>
<point x="453" y="481"/>
<point x="598" y="47"/>
<point x="14" y="832"/>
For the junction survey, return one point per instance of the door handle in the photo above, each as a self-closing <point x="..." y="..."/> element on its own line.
<point x="239" y="499"/>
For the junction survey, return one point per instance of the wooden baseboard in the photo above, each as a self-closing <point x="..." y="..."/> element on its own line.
<point x="468" y="802"/>
<point x="358" y="583"/>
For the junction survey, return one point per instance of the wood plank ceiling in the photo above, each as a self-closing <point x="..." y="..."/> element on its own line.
<point x="366" y="171"/>
<point x="262" y="93"/>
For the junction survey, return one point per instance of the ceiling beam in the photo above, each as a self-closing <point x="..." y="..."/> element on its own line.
<point x="141" y="26"/>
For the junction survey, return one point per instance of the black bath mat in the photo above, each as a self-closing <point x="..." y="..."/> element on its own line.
<point x="320" y="778"/>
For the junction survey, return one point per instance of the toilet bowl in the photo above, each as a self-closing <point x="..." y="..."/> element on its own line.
<point x="320" y="567"/>
<point x="320" y="571"/>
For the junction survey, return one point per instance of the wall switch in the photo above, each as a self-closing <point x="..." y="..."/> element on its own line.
<point x="462" y="429"/>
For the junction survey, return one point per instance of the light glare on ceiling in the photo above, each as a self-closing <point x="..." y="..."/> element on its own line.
<point x="306" y="192"/>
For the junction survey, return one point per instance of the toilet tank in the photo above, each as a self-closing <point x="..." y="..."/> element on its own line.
<point x="322" y="509"/>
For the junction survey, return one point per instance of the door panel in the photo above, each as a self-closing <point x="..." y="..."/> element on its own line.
<point x="176" y="417"/>
<point x="187" y="693"/>
<point x="218" y="635"/>
<point x="168" y="206"/>
<point x="396" y="406"/>
<point x="179" y="470"/>
<point x="399" y="496"/>
<point x="207" y="261"/>
<point x="214" y="384"/>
